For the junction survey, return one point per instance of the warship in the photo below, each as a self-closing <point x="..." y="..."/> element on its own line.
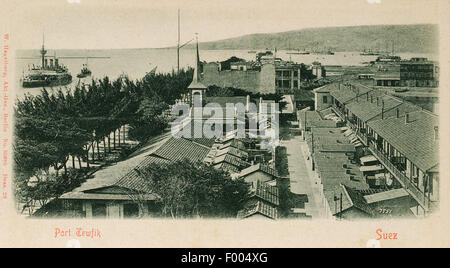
<point x="50" y="73"/>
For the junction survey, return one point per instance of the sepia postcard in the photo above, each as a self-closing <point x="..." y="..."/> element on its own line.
<point x="224" y="124"/>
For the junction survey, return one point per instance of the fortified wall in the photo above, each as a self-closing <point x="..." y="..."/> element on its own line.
<point x="251" y="80"/>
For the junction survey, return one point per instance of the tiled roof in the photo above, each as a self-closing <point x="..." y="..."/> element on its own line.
<point x="415" y="139"/>
<point x="232" y="151"/>
<point x="125" y="174"/>
<point x="134" y="179"/>
<point x="324" y="89"/>
<point x="109" y="175"/>
<point x="334" y="167"/>
<point x="385" y="195"/>
<point x="338" y="148"/>
<point x="179" y="148"/>
<point x="228" y="167"/>
<point x="366" y="109"/>
<point x="357" y="200"/>
<point x="261" y="167"/>
<point x="366" y="106"/>
<point x="314" y="119"/>
<point x="258" y="207"/>
<point x="347" y="93"/>
<point x="231" y="159"/>
<point x="267" y="193"/>
<point x="368" y="203"/>
<point x="330" y="167"/>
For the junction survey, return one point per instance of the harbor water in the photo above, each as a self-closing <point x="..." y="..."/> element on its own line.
<point x="137" y="62"/>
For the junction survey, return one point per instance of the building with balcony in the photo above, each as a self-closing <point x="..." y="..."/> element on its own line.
<point x="257" y="77"/>
<point x="416" y="72"/>
<point x="402" y="136"/>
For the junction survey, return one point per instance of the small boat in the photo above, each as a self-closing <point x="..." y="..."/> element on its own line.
<point x="85" y="72"/>
<point x="252" y="51"/>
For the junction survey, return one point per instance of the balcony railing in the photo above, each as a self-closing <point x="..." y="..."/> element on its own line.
<point x="362" y="137"/>
<point x="409" y="186"/>
<point x="341" y="115"/>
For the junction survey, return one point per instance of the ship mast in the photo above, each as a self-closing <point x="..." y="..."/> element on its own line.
<point x="178" y="44"/>
<point x="43" y="51"/>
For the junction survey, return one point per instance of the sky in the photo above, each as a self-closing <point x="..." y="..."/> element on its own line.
<point x="102" y="24"/>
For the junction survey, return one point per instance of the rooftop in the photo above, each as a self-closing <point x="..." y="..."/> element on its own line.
<point x="125" y="174"/>
<point x="314" y="119"/>
<point x="258" y="167"/>
<point x="266" y="193"/>
<point x="258" y="207"/>
<point x="415" y="139"/>
<point x="347" y="92"/>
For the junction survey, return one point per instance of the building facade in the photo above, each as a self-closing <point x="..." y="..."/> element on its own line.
<point x="402" y="136"/>
<point x="271" y="77"/>
<point x="417" y="72"/>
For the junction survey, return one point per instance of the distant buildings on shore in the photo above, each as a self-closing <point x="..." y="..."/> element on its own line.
<point x="266" y="75"/>
<point x="416" y="72"/>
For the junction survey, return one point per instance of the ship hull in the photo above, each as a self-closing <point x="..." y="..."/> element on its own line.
<point x="47" y="83"/>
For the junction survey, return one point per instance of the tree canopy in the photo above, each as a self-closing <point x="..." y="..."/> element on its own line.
<point x="187" y="189"/>
<point x="59" y="123"/>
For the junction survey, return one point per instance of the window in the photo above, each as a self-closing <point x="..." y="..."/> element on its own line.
<point x="99" y="210"/>
<point x="130" y="211"/>
<point x="325" y="99"/>
<point x="279" y="83"/>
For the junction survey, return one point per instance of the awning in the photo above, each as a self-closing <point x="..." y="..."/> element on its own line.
<point x="371" y="168"/>
<point x="368" y="158"/>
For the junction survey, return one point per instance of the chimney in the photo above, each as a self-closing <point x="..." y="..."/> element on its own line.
<point x="378" y="101"/>
<point x="382" y="109"/>
<point x="406" y="118"/>
<point x="436" y="133"/>
<point x="398" y="112"/>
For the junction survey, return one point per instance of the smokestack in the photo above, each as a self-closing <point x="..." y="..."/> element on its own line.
<point x="436" y="133"/>
<point x="398" y="113"/>
<point x="406" y="118"/>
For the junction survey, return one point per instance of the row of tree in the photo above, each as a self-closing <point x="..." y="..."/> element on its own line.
<point x="55" y="125"/>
